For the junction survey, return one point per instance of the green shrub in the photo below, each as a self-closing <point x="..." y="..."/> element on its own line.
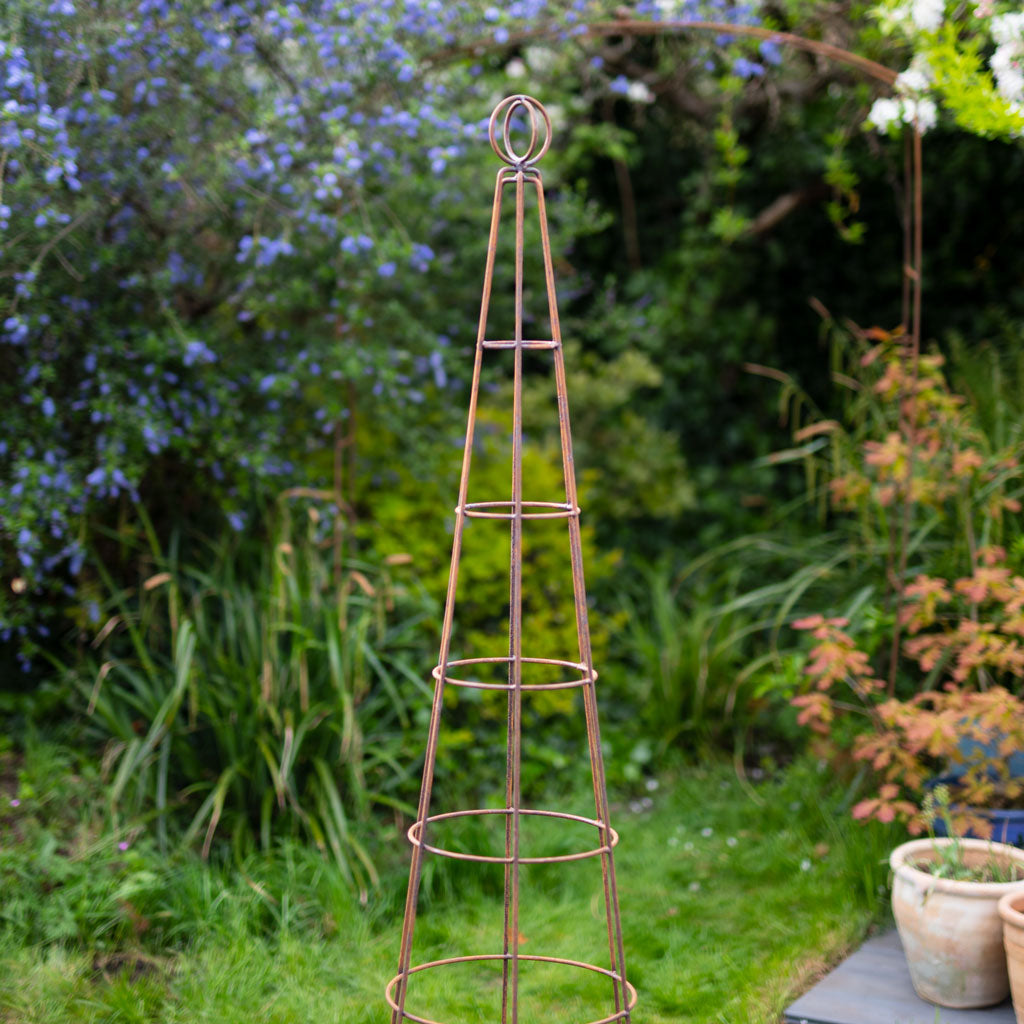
<point x="411" y="514"/>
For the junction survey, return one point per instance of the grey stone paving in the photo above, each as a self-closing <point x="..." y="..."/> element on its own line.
<point x="872" y="986"/>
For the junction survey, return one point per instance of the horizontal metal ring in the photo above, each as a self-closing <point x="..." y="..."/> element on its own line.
<point x="532" y="344"/>
<point x="614" y="976"/>
<point x="586" y="675"/>
<point x="479" y="510"/>
<point x="414" y="837"/>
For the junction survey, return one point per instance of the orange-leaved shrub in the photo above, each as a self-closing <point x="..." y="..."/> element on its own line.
<point x="929" y="489"/>
<point x="966" y="639"/>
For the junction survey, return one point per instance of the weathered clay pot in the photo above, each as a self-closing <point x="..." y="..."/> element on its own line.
<point x="1011" y="910"/>
<point x="951" y="931"/>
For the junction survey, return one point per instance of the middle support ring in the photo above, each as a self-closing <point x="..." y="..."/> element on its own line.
<point x="586" y="675"/>
<point x="415" y="829"/>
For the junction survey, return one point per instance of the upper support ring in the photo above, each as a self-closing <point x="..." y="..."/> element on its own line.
<point x="538" y="119"/>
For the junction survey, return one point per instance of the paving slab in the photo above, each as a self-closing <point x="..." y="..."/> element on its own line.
<point x="872" y="986"/>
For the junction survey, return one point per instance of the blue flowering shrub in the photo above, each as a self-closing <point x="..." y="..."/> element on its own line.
<point x="200" y="243"/>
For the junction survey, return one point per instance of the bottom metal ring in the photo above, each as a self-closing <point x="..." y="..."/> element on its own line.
<point x="406" y="1015"/>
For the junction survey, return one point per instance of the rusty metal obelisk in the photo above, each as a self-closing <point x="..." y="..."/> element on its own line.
<point x="519" y="175"/>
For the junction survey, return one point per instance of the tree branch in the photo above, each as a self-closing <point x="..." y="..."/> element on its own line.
<point x="780" y="208"/>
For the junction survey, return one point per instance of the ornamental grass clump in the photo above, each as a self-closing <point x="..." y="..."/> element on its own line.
<point x="246" y="702"/>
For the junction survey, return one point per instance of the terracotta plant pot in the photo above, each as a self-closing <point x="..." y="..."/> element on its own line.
<point x="951" y="931"/>
<point x="1011" y="910"/>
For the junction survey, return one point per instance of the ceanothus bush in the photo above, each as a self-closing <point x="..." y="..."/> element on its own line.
<point x="216" y="220"/>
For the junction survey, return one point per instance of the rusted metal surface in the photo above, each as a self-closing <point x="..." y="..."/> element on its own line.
<point x="518" y="176"/>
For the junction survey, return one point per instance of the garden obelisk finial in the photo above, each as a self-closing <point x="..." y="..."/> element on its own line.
<point x="538" y="118"/>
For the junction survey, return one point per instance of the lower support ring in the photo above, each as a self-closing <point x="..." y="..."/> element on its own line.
<point x="612" y="975"/>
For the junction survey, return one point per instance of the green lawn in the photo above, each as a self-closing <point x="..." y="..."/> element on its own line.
<point x="730" y="904"/>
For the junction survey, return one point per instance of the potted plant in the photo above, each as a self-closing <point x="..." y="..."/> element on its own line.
<point x="945" y="899"/>
<point x="946" y="891"/>
<point x="1011" y="910"/>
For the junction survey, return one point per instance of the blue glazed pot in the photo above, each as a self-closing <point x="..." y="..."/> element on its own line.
<point x="1007" y="825"/>
<point x="972" y="750"/>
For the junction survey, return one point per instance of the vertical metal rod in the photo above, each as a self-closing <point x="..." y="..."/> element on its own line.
<point x="918" y="175"/>
<point x="415" y="869"/>
<point x="611" y="900"/>
<point x="515" y="640"/>
<point x="908" y="404"/>
<point x="908" y="232"/>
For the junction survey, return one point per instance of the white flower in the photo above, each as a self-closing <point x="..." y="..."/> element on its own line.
<point x="557" y="114"/>
<point x="927" y="14"/>
<point x="893" y="17"/>
<point x="923" y="111"/>
<point x="884" y="114"/>
<point x="919" y="64"/>
<point x="1007" y="65"/>
<point x="731" y="841"/>
<point x="887" y="112"/>
<point x="515" y="68"/>
<point x="695" y="887"/>
<point x="705" y="832"/>
<point x="912" y="82"/>
<point x="1008" y="28"/>
<point x="900" y="12"/>
<point x="639" y="93"/>
<point x="651" y="785"/>
<point x="805" y="865"/>
<point x="540" y="58"/>
<point x="1017" y="109"/>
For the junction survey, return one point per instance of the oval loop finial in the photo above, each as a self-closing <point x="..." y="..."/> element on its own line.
<point x="539" y="120"/>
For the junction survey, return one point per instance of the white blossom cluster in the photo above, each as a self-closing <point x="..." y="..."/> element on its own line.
<point x="914" y="15"/>
<point x="927" y="14"/>
<point x="911" y="104"/>
<point x="1007" y="62"/>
